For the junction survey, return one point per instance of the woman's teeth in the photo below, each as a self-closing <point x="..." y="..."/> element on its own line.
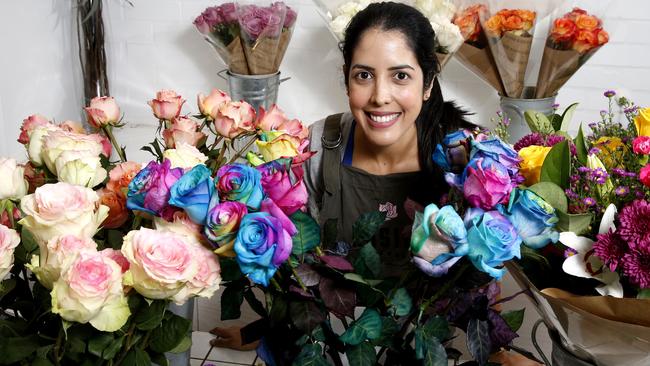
<point x="385" y="118"/>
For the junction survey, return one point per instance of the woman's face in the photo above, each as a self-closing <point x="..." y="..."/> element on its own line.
<point x="385" y="87"/>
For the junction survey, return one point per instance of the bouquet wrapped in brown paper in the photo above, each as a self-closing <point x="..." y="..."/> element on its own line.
<point x="250" y="39"/>
<point x="573" y="38"/>
<point x="474" y="53"/>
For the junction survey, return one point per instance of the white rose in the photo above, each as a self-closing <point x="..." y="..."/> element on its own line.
<point x="339" y="25"/>
<point x="90" y="291"/>
<point x="62" y="209"/>
<point x="184" y="156"/>
<point x="55" y="255"/>
<point x="448" y="36"/>
<point x="9" y="240"/>
<point x="14" y="185"/>
<point x="350" y="8"/>
<point x="80" y="168"/>
<point x="35" y="144"/>
<point x="57" y="142"/>
<point x="436" y="8"/>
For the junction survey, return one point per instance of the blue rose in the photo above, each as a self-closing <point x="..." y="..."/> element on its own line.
<point x="452" y="154"/>
<point x="242" y="183"/>
<point x="533" y="218"/>
<point x="439" y="240"/>
<point x="193" y="192"/>
<point x="261" y="246"/>
<point x="149" y="189"/>
<point x="495" y="149"/>
<point x="492" y="240"/>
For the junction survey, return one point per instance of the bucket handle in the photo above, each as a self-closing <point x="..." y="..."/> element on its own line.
<point x="220" y="74"/>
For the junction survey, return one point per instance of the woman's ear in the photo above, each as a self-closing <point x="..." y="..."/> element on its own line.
<point x="427" y="91"/>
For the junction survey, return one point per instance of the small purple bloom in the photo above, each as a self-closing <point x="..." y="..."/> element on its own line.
<point x="594" y="150"/>
<point x="622" y="190"/>
<point x="589" y="201"/>
<point x="609" y="93"/>
<point x="584" y="169"/>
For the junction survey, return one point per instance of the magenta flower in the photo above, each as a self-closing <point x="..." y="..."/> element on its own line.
<point x="487" y="184"/>
<point x="636" y="266"/>
<point x="610" y="249"/>
<point x="287" y="193"/>
<point x="634" y="225"/>
<point x="531" y="139"/>
<point x="149" y="190"/>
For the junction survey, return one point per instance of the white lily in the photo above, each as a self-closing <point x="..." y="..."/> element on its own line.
<point x="585" y="264"/>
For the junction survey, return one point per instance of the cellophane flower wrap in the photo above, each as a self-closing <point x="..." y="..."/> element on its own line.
<point x="94" y="247"/>
<point x="576" y="33"/>
<point x="597" y="184"/>
<point x="251" y="38"/>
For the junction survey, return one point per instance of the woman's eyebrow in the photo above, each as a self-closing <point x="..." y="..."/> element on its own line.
<point x="366" y="67"/>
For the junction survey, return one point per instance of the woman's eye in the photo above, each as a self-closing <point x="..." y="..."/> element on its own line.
<point x="402" y="76"/>
<point x="363" y="75"/>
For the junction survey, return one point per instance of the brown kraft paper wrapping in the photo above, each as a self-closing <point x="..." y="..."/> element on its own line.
<point x="238" y="64"/>
<point x="558" y="66"/>
<point x="480" y="61"/>
<point x="261" y="55"/>
<point x="282" y="48"/>
<point x="443" y="58"/>
<point x="511" y="54"/>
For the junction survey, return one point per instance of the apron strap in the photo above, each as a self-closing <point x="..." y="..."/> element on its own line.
<point x="331" y="142"/>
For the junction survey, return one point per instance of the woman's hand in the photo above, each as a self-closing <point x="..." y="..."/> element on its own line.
<point x="231" y="338"/>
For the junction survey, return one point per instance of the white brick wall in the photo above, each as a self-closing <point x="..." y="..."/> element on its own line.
<point x="152" y="45"/>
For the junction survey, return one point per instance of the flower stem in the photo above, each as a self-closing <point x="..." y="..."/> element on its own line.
<point x="120" y="152"/>
<point x="276" y="285"/>
<point x="443" y="290"/>
<point x="57" y="347"/>
<point x="295" y="274"/>
<point x="238" y="154"/>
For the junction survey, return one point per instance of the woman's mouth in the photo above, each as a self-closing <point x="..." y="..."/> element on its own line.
<point x="382" y="120"/>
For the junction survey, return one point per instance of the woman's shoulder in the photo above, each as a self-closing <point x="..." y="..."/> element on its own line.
<point x="317" y="129"/>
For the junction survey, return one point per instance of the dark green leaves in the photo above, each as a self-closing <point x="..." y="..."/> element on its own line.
<point x="362" y="354"/>
<point x="400" y="302"/>
<point x="368" y="263"/>
<point x="478" y="340"/>
<point x="308" y="235"/>
<point x="557" y="165"/>
<point x="581" y="146"/>
<point x="231" y="301"/>
<point x="230" y="270"/>
<point x="137" y="357"/>
<point x="552" y="194"/>
<point x="150" y="315"/>
<point x="514" y="318"/>
<point x="368" y="326"/>
<point x="170" y="334"/>
<point x="305" y="315"/>
<point x="311" y="355"/>
<point x="15" y="349"/>
<point x="338" y="298"/>
<point x="577" y="223"/>
<point x="366" y="226"/>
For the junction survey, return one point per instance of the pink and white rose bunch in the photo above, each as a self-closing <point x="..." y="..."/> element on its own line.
<point x="14" y="185"/>
<point x="9" y="240"/>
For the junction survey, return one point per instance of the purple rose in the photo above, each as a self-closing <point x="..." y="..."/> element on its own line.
<point x="487" y="183"/>
<point x="256" y="21"/>
<point x="497" y="150"/>
<point x="228" y="12"/>
<point x="212" y="16"/>
<point x="149" y="190"/>
<point x="202" y="25"/>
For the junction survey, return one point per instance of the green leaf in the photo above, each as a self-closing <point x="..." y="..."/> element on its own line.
<point x="114" y="238"/>
<point x="185" y="345"/>
<point x="308" y="235"/>
<point x="581" y="146"/>
<point x="368" y="326"/>
<point x="538" y="122"/>
<point x="578" y="223"/>
<point x="368" y="261"/>
<point x="15" y="349"/>
<point x="437" y="327"/>
<point x="366" y="226"/>
<point x="254" y="303"/>
<point x="643" y="294"/>
<point x="400" y="302"/>
<point x="355" y="277"/>
<point x="551" y="193"/>
<point x="230" y="270"/>
<point x="305" y="315"/>
<point x="429" y="349"/>
<point x="311" y="354"/>
<point x="557" y="165"/>
<point x="389" y="328"/>
<point x="137" y="357"/>
<point x="98" y="343"/>
<point x="159" y="359"/>
<point x="556" y="121"/>
<point x="111" y="351"/>
<point x="514" y="318"/>
<point x="231" y="300"/>
<point x="278" y="313"/>
<point x="41" y="362"/>
<point x="170" y="334"/>
<point x="150" y="315"/>
<point x="478" y="340"/>
<point x="567" y="116"/>
<point x="6" y="286"/>
<point x="361" y="355"/>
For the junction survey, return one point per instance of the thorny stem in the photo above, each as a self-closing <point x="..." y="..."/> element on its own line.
<point x="109" y="133"/>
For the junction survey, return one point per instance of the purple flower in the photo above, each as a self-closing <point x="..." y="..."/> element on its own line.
<point x="634" y="225"/>
<point x="594" y="151"/>
<point x="636" y="266"/>
<point x="499" y="151"/>
<point x="149" y="191"/>
<point x="610" y="249"/>
<point x="622" y="190"/>
<point x="588" y="201"/>
<point x="609" y="93"/>
<point x="487" y="183"/>
<point x="584" y="169"/>
<point x="618" y="171"/>
<point x="531" y="139"/>
<point x="256" y="21"/>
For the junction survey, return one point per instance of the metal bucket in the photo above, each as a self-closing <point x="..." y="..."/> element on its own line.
<point x="514" y="109"/>
<point x="256" y="90"/>
<point x="186" y="311"/>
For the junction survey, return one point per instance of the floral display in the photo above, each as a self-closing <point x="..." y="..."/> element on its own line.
<point x="572" y="40"/>
<point x="250" y="39"/>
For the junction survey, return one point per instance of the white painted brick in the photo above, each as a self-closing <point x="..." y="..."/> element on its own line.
<point x="154" y="10"/>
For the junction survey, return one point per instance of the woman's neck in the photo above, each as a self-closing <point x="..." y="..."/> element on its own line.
<point x="401" y="157"/>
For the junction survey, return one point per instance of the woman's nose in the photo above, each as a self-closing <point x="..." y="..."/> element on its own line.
<point x="382" y="93"/>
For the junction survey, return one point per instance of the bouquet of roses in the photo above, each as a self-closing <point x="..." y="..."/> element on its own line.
<point x="250" y="39"/>
<point x="596" y="274"/>
<point x="573" y="38"/>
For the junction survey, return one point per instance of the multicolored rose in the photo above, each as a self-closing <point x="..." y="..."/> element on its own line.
<point x="149" y="191"/>
<point x="193" y="192"/>
<point x="222" y="225"/>
<point x="487" y="183"/>
<point x="239" y="182"/>
<point x="533" y="218"/>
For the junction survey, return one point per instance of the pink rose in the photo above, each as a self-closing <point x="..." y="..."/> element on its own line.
<point x="181" y="224"/>
<point x="278" y="185"/>
<point x="228" y="12"/>
<point x="641" y="145"/>
<point x="162" y="262"/>
<point x="90" y="291"/>
<point x="9" y="240"/>
<point x="72" y="126"/>
<point x="183" y="130"/>
<point x="103" y="111"/>
<point x="29" y="124"/>
<point x="55" y="255"/>
<point x="206" y="281"/>
<point x="107" y="148"/>
<point x="235" y="118"/>
<point x="270" y="120"/>
<point x="4" y="217"/>
<point x="644" y="175"/>
<point x="202" y="25"/>
<point x="212" y="16"/>
<point x="209" y="106"/>
<point x="118" y="257"/>
<point x="61" y="209"/>
<point x="167" y="105"/>
<point x="120" y="176"/>
<point x="487" y="184"/>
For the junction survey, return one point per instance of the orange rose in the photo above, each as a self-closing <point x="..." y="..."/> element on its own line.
<point x="603" y="36"/>
<point x="527" y="15"/>
<point x="512" y="23"/>
<point x="117" y="214"/>
<point x="585" y="41"/>
<point x="587" y="22"/>
<point x="564" y="30"/>
<point x="575" y="13"/>
<point x="121" y="176"/>
<point x="469" y="26"/>
<point x="494" y="25"/>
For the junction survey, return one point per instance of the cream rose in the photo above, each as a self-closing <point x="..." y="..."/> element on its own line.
<point x="206" y="281"/>
<point x="181" y="224"/>
<point x="62" y="209"/>
<point x="9" y="240"/>
<point x="80" y="168"/>
<point x="161" y="262"/>
<point x="56" y="143"/>
<point x="35" y="143"/>
<point x="183" y="129"/>
<point x="209" y="106"/>
<point x="54" y="256"/>
<point x="14" y="185"/>
<point x="184" y="156"/>
<point x="90" y="291"/>
<point x="448" y="36"/>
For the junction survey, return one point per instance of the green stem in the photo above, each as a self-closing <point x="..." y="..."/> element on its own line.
<point x="137" y="222"/>
<point x="127" y="348"/>
<point x="216" y="142"/>
<point x="120" y="152"/>
<point x="222" y="152"/>
<point x="57" y="347"/>
<point x="238" y="154"/>
<point x="276" y="285"/>
<point x="295" y="274"/>
<point x="443" y="290"/>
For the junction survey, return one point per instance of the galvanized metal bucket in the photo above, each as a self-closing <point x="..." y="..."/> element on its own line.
<point x="186" y="311"/>
<point x="256" y="90"/>
<point x="514" y="109"/>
